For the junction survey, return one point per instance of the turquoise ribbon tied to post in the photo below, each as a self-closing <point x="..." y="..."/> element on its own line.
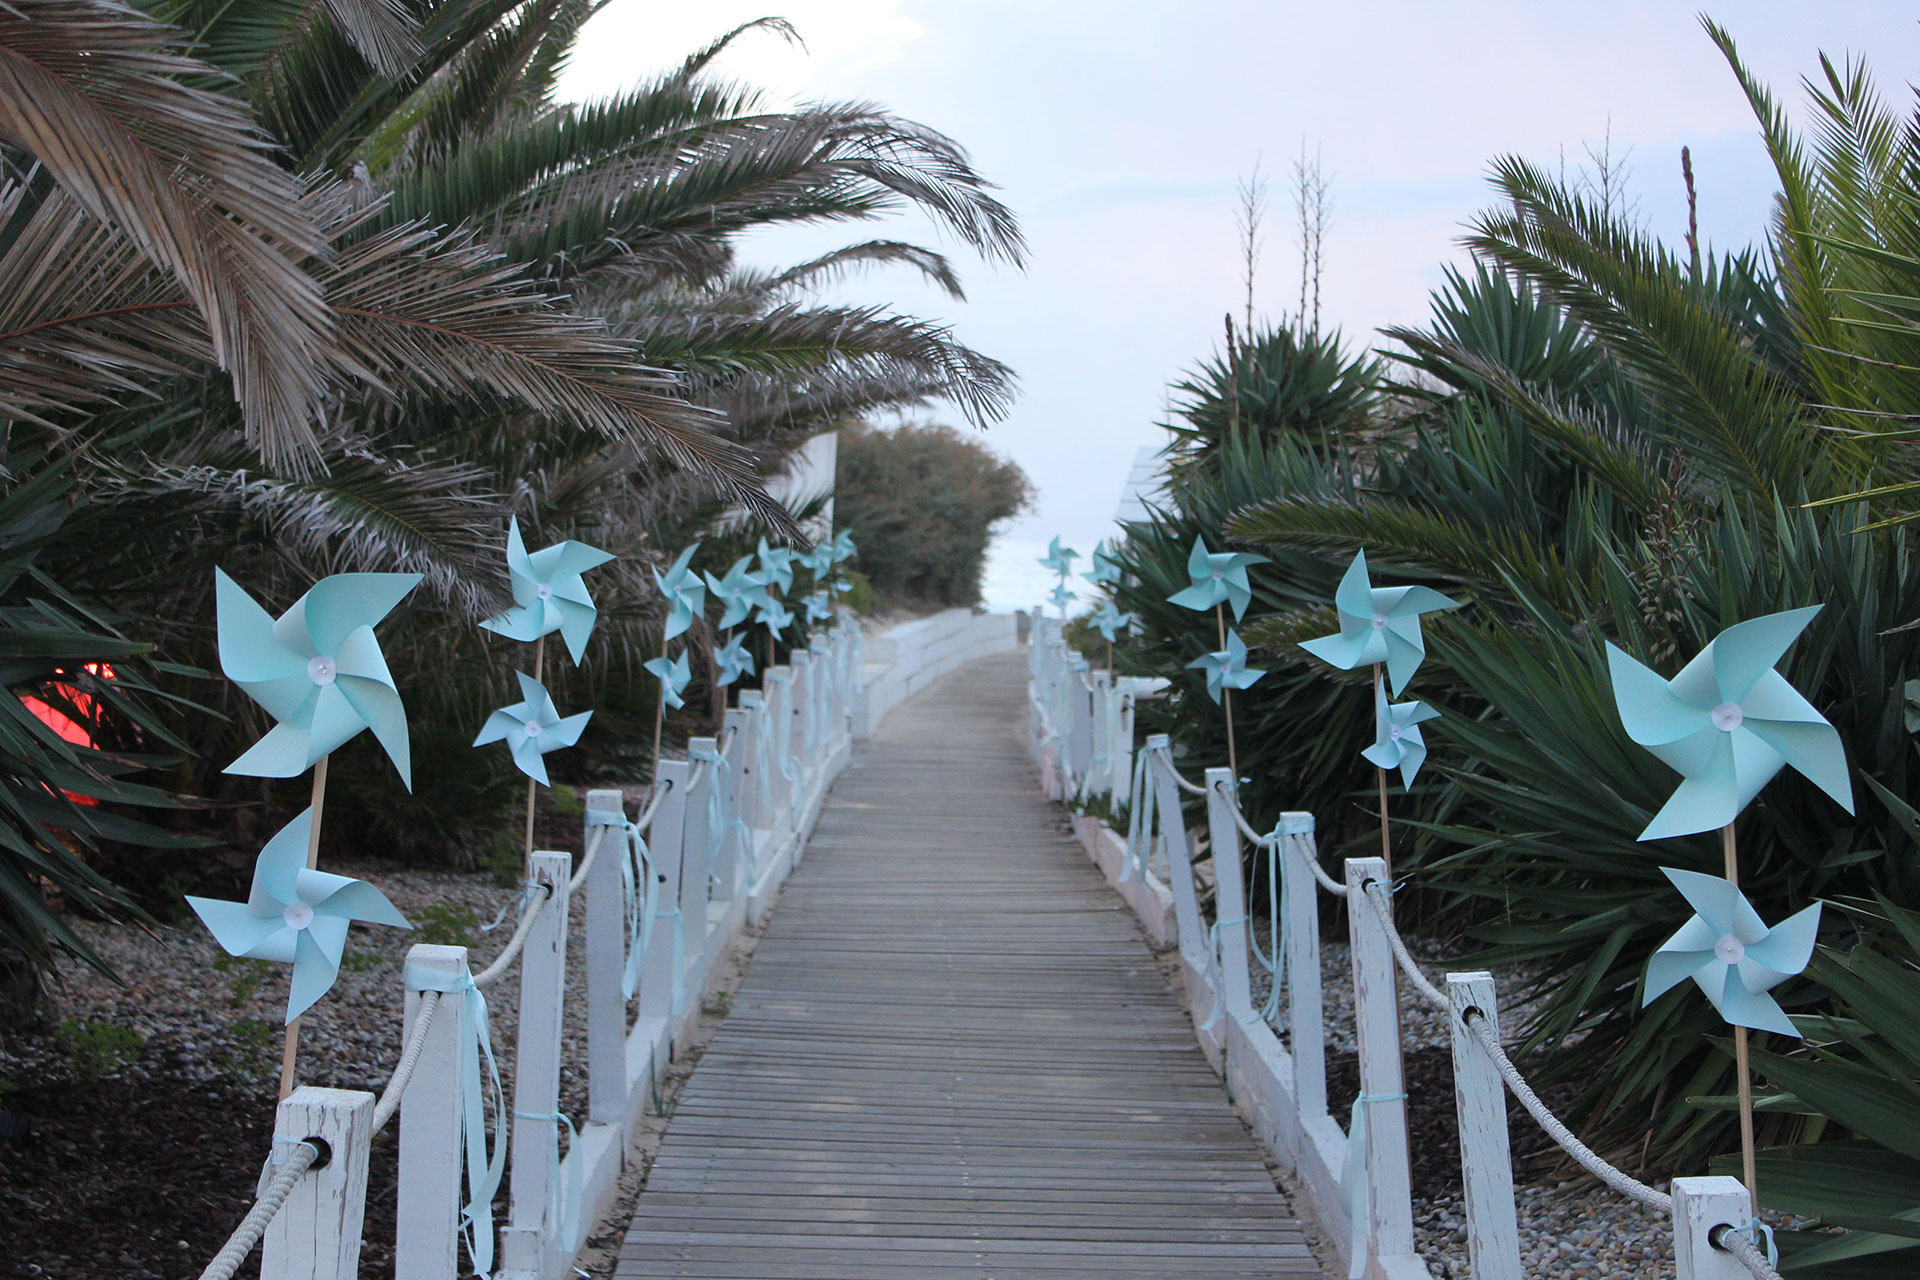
<point x="563" y="1206"/>
<point x="723" y="818"/>
<point x="484" y="1167"/>
<point x="639" y="893"/>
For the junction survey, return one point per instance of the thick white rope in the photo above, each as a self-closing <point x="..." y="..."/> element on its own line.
<point x="1550" y="1124"/>
<point x="1326" y="881"/>
<point x="586" y="864"/>
<point x="1166" y="758"/>
<point x="1739" y="1242"/>
<point x="511" y="952"/>
<point x="254" y="1225"/>
<point x="389" y="1103"/>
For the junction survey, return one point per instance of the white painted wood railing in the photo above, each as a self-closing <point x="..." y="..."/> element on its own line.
<point x="1276" y="1074"/>
<point x="724" y="829"/>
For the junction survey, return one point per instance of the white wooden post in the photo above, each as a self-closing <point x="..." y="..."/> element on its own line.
<point x="696" y="849"/>
<point x="1100" y="757"/>
<point x="1700" y="1205"/>
<point x="1306" y="1030"/>
<point x="1480" y="1106"/>
<point x="1173" y="830"/>
<point x="796" y="732"/>
<point x="805" y="726"/>
<point x="1122" y="766"/>
<point x="1376" y="1018"/>
<point x="426" y="1240"/>
<point x="316" y="1234"/>
<point x="733" y="864"/>
<point x="1080" y="692"/>
<point x="606" y="924"/>
<point x="536" y="1074"/>
<point x="757" y="792"/>
<point x="1230" y="896"/>
<point x="662" y="974"/>
<point x="779" y="724"/>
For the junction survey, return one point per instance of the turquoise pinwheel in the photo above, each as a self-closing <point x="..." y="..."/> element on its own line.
<point x="775" y="616"/>
<point x="1397" y="743"/>
<point x="548" y="593"/>
<point x="295" y="915"/>
<point x="1378" y="624"/>
<point x="685" y="594"/>
<point x="1109" y="621"/>
<point x="531" y="728"/>
<point x="317" y="669"/>
<point x="1105" y="568"/>
<point x="1059" y="559"/>
<point x="1727" y="723"/>
<point x="818" y="607"/>
<point x="741" y="591"/>
<point x="674" y="676"/>
<point x="843" y="548"/>
<point x="1217" y="579"/>
<point x="1730" y="953"/>
<point x="820" y="561"/>
<point x="776" y="566"/>
<point x="733" y="661"/>
<point x="1227" y="668"/>
<point x="1060" y="597"/>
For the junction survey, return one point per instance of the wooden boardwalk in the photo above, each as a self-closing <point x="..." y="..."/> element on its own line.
<point x="953" y="1055"/>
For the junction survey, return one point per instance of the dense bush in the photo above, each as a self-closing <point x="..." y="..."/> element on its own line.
<point x="921" y="502"/>
<point x="1594" y="439"/>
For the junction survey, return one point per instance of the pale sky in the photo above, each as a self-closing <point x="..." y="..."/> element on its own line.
<point x="1118" y="132"/>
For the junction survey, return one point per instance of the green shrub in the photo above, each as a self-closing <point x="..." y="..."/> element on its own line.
<point x="446" y="924"/>
<point x="921" y="502"/>
<point x="98" y="1049"/>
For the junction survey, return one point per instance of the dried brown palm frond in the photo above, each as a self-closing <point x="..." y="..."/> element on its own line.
<point x="100" y="96"/>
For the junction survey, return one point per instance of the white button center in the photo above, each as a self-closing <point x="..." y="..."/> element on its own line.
<point x="1395" y="733"/>
<point x="532" y="727"/>
<point x="1218" y="574"/>
<point x="1728" y="716"/>
<point x="1379" y="622"/>
<point x="544" y="591"/>
<point x="297" y="915"/>
<point x="321" y="670"/>
<point x="1729" y="949"/>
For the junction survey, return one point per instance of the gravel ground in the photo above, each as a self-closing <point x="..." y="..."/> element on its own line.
<point x="206" y="1062"/>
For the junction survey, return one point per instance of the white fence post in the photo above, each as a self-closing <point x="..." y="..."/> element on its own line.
<point x="1480" y="1106"/>
<point x="606" y="925"/>
<point x="1102" y="726"/>
<point x="1173" y="831"/>
<point x="757" y="803"/>
<point x="1230" y="897"/>
<point x="316" y="1234"/>
<point x="778" y="688"/>
<point x="1700" y="1205"/>
<point x="663" y="973"/>
<point x="536" y="1076"/>
<point x="696" y="847"/>
<point x="426" y="1243"/>
<point x="733" y="867"/>
<point x="1306" y="1030"/>
<point x="805" y="726"/>
<point x="1376" y="1017"/>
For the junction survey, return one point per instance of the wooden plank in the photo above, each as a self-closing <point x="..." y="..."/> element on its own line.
<point x="953" y="1054"/>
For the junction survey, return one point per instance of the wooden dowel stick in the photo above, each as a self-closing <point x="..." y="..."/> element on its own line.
<point x="539" y="670"/>
<point x="290" y="1047"/>
<point x="1226" y="698"/>
<point x="659" y="717"/>
<point x="1749" y="1169"/>
<point x="1386" y="844"/>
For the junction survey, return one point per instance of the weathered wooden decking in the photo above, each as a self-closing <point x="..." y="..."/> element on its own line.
<point x="953" y="1055"/>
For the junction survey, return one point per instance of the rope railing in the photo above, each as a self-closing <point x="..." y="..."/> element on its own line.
<point x="511" y="952"/>
<point x="254" y="1225"/>
<point x="641" y="824"/>
<point x="1733" y="1240"/>
<point x="1059" y="688"/>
